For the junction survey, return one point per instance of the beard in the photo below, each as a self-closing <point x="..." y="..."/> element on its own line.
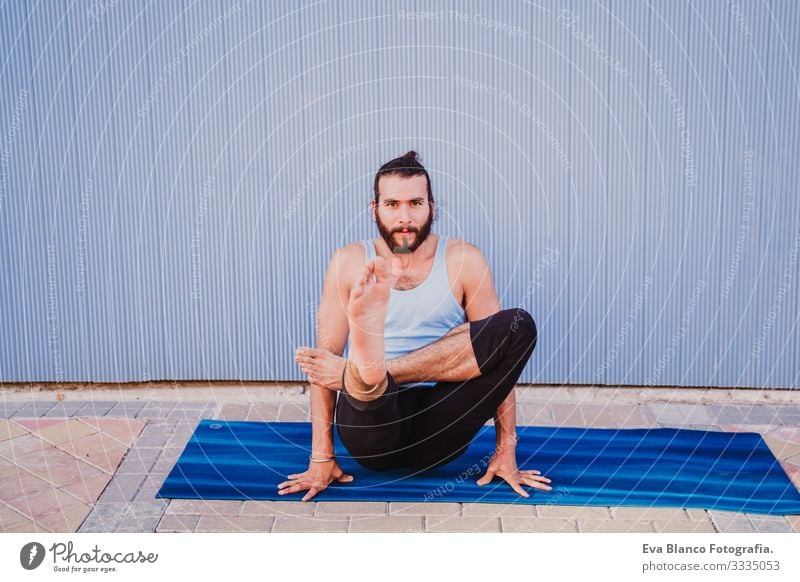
<point x="404" y="248"/>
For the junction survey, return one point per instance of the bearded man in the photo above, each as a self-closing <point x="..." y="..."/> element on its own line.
<point x="431" y="356"/>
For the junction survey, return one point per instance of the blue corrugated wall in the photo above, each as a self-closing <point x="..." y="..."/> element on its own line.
<point x="175" y="175"/>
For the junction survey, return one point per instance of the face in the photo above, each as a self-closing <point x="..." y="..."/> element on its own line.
<point x="403" y="213"/>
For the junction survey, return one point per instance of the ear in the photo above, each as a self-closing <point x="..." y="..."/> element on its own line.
<point x="374" y="208"/>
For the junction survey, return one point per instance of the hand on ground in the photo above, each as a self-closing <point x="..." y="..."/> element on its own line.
<point x="503" y="464"/>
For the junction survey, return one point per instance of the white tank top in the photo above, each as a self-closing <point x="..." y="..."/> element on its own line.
<point x="419" y="316"/>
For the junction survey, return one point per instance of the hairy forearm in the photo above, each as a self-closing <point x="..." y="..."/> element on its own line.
<point x="505" y="421"/>
<point x="323" y="405"/>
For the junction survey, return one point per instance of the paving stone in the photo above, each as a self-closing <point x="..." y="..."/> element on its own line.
<point x="431" y="508"/>
<point x="10" y="517"/>
<point x="794" y="521"/>
<point x="122" y="488"/>
<point x="28" y="527"/>
<point x="42" y="502"/>
<point x="34" y="409"/>
<point x="138" y="460"/>
<point x="684" y="526"/>
<point x="665" y="414"/>
<point x="611" y="416"/>
<point x="17" y="483"/>
<point x="770" y="524"/>
<point x="97" y="408"/>
<point x="573" y="512"/>
<point x="535" y="413"/>
<point x="644" y="418"/>
<point x="286" y="524"/>
<point x="177" y="523"/>
<point x="180" y="437"/>
<point x="263" y="412"/>
<point x="123" y="430"/>
<point x="727" y="414"/>
<point x="567" y="414"/>
<point x="697" y="514"/>
<point x="146" y="524"/>
<point x="10" y="430"/>
<point x="782" y="449"/>
<point x="126" y="409"/>
<point x="65" y="431"/>
<point x="65" y="409"/>
<point x="387" y="524"/>
<point x="156" y="507"/>
<point x="169" y="455"/>
<point x="163" y="467"/>
<point x="9" y="409"/>
<point x="230" y="524"/>
<point x="21" y="445"/>
<point x="287" y="508"/>
<point x="615" y="526"/>
<point x="154" y="435"/>
<point x="104" y="517"/>
<point x="97" y="449"/>
<point x="88" y="489"/>
<point x="650" y="513"/>
<point x="195" y="405"/>
<point x="154" y="409"/>
<point x="441" y="524"/>
<point x="65" y="519"/>
<point x="786" y="434"/>
<point x="204" y="507"/>
<point x="51" y="464"/>
<point x="233" y="412"/>
<point x="192" y="417"/>
<point x="537" y="525"/>
<point x="498" y="509"/>
<point x="728" y="522"/>
<point x="151" y="486"/>
<point x="291" y="412"/>
<point x="350" y="508"/>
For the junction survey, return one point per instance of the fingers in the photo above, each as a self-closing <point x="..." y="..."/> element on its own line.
<point x="536" y="481"/>
<point x="345" y="478"/>
<point x="292" y="487"/>
<point x="517" y="487"/>
<point x="311" y="493"/>
<point x="487" y="478"/>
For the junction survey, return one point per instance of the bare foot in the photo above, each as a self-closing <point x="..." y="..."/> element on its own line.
<point x="322" y="367"/>
<point x="366" y="312"/>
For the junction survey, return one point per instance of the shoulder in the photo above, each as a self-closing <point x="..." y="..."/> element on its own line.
<point x="347" y="260"/>
<point x="354" y="252"/>
<point x="463" y="254"/>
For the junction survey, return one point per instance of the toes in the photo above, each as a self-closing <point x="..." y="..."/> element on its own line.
<point x="381" y="269"/>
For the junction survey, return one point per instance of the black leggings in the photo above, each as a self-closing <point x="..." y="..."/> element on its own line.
<point x="426" y="426"/>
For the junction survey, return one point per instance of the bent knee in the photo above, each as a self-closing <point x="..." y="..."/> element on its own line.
<point x="520" y="323"/>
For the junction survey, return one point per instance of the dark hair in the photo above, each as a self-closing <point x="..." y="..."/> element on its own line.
<point x="406" y="166"/>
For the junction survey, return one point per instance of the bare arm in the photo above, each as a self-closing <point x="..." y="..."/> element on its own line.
<point x="332" y="332"/>
<point x="481" y="301"/>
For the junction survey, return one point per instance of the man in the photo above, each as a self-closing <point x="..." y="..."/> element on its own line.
<point x="431" y="356"/>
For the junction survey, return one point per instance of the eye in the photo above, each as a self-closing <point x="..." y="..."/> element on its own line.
<point x="416" y="203"/>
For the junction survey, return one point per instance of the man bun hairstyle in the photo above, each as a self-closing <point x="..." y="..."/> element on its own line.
<point x="406" y="166"/>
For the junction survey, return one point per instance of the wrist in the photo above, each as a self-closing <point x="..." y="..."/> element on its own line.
<point x="506" y="441"/>
<point x="322" y="459"/>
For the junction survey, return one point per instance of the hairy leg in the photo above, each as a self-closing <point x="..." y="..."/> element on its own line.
<point x="448" y="359"/>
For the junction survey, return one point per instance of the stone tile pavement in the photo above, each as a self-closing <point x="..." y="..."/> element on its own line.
<point x="76" y="461"/>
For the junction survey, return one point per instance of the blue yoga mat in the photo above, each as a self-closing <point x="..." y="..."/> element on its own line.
<point x="627" y="467"/>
